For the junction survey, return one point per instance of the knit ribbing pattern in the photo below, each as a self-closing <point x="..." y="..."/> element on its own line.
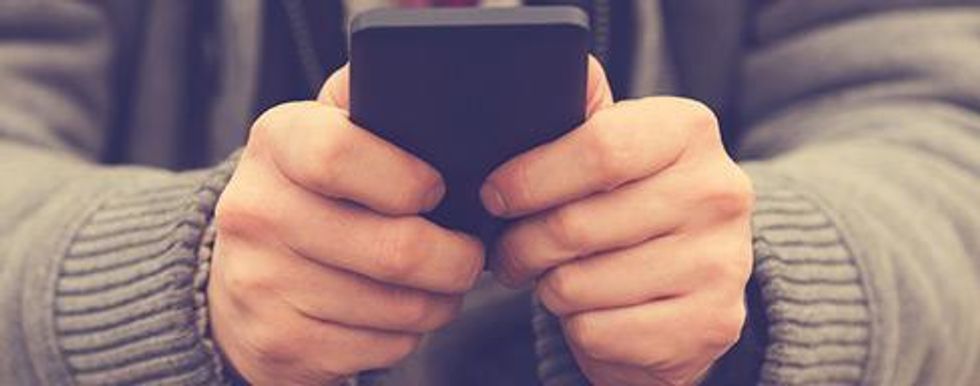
<point x="815" y="301"/>
<point x="130" y="304"/>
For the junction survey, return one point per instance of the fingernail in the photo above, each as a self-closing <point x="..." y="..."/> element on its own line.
<point x="434" y="195"/>
<point x="493" y="200"/>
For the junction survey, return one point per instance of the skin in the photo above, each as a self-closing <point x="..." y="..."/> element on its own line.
<point x="322" y="266"/>
<point x="636" y="234"/>
<point x="635" y="225"/>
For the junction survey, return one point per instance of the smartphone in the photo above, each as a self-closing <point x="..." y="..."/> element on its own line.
<point x="466" y="89"/>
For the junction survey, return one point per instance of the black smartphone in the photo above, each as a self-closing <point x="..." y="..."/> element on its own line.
<point x="466" y="89"/>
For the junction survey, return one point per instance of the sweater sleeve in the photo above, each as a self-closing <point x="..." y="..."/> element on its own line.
<point x="102" y="269"/>
<point x="865" y="136"/>
<point x="863" y="142"/>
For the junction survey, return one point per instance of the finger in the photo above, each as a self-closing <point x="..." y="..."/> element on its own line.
<point x="677" y="334"/>
<point x="312" y="351"/>
<point x="317" y="147"/>
<point x="599" y="94"/>
<point x="329" y="294"/>
<point x="336" y="90"/>
<point x="373" y="349"/>
<point x="660" y="268"/>
<point x="406" y="251"/>
<point x="292" y="347"/>
<point x="685" y="198"/>
<point x="623" y="217"/>
<point x="622" y="143"/>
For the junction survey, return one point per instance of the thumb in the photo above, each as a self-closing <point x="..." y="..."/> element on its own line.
<point x="598" y="94"/>
<point x="336" y="90"/>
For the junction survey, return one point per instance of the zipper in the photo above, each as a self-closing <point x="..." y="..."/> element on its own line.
<point x="305" y="47"/>
<point x="601" y="29"/>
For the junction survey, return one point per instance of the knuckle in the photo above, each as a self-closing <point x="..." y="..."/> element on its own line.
<point x="326" y="133"/>
<point x="244" y="282"/>
<point x="731" y="195"/>
<point x="568" y="228"/>
<point x="744" y="191"/>
<point x="728" y="204"/>
<point x="404" y="244"/>
<point x="398" y="348"/>
<point x="444" y="312"/>
<point x="725" y="328"/>
<point x="722" y="269"/>
<point x="696" y="117"/>
<point x="326" y="151"/>
<point x="410" y="310"/>
<point x="560" y="290"/>
<point x="741" y="197"/>
<point x="433" y="313"/>
<point x="713" y="269"/>
<point x="232" y="217"/>
<point x="270" y="132"/>
<point x="270" y="344"/>
<point x="591" y="337"/>
<point x="235" y="216"/>
<point x="270" y="121"/>
<point x="436" y="313"/>
<point x="613" y="148"/>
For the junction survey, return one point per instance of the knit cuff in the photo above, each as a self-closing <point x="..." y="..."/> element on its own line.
<point x="814" y="296"/>
<point x="130" y="304"/>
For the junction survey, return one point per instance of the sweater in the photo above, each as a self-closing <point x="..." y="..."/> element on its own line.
<point x="857" y="121"/>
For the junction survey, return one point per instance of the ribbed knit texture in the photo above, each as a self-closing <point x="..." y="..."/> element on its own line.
<point x="130" y="303"/>
<point x="815" y="301"/>
<point x="812" y="291"/>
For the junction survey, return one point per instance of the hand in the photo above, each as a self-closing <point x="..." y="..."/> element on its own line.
<point x="322" y="267"/>
<point x="637" y="233"/>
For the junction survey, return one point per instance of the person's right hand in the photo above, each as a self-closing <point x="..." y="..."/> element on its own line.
<point x="322" y="266"/>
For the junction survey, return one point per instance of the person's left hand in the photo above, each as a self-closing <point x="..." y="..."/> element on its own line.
<point x="637" y="234"/>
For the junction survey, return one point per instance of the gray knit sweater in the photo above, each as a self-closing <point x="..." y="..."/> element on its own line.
<point x="860" y="125"/>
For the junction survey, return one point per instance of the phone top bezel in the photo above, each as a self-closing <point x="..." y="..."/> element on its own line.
<point x="471" y="17"/>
